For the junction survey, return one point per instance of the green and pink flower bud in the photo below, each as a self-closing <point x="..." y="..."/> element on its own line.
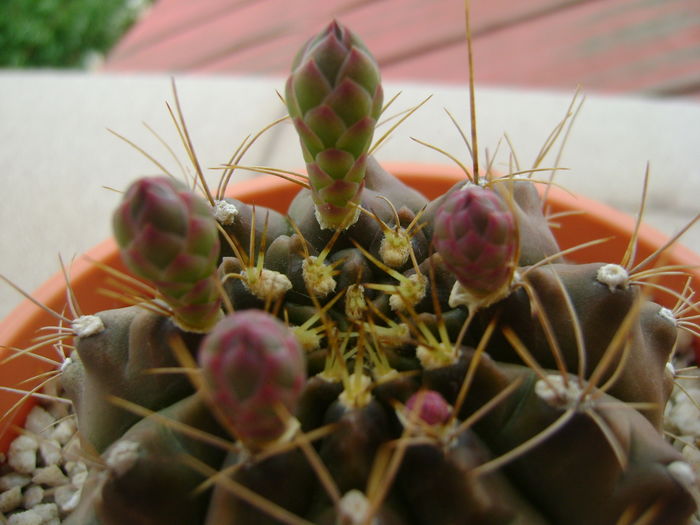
<point x="255" y="369"/>
<point x="168" y="235"/>
<point x="476" y="236"/>
<point x="334" y="97"/>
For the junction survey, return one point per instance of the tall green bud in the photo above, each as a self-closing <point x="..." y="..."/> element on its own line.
<point x="334" y="97"/>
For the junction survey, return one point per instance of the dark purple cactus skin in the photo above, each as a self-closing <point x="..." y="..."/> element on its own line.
<point x="168" y="235"/>
<point x="476" y="235"/>
<point x="334" y="97"/>
<point x="253" y="365"/>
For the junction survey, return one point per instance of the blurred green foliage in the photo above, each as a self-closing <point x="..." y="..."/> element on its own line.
<point x="61" y="33"/>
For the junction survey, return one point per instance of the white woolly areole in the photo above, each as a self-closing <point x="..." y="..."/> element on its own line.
<point x="308" y="339"/>
<point x="460" y="296"/>
<point x="122" y="456"/>
<point x="667" y="314"/>
<point x="326" y="226"/>
<point x="390" y="337"/>
<point x="671" y="369"/>
<point x="395" y="248"/>
<point x="555" y="392"/>
<point x="357" y="391"/>
<point x="318" y="276"/>
<point x="225" y="212"/>
<point x="431" y="359"/>
<point x="683" y="473"/>
<point x="266" y="284"/>
<point x="353" y="508"/>
<point x="410" y="292"/>
<point x="66" y="363"/>
<point x="355" y="303"/>
<point x="87" y="325"/>
<point x="613" y="276"/>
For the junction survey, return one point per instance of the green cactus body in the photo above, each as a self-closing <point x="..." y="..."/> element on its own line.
<point x="351" y="402"/>
<point x="334" y="97"/>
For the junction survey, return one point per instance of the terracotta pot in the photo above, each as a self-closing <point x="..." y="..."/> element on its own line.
<point x="596" y="221"/>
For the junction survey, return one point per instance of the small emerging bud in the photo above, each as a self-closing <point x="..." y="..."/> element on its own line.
<point x="476" y="236"/>
<point x="429" y="407"/>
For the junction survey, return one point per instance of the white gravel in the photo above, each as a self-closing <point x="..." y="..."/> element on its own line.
<point x="42" y="477"/>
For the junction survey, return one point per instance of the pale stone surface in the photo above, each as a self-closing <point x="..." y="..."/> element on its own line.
<point x="39" y="421"/>
<point x="67" y="497"/>
<point x="47" y="511"/>
<point x="50" y="452"/>
<point x="14" y="479"/>
<point x="22" y="454"/>
<point x="64" y="431"/>
<point x="51" y="489"/>
<point x="52" y="476"/>
<point x="28" y="517"/>
<point x="32" y="496"/>
<point x="10" y="499"/>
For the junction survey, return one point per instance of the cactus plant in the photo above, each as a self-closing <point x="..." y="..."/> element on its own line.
<point x="423" y="362"/>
